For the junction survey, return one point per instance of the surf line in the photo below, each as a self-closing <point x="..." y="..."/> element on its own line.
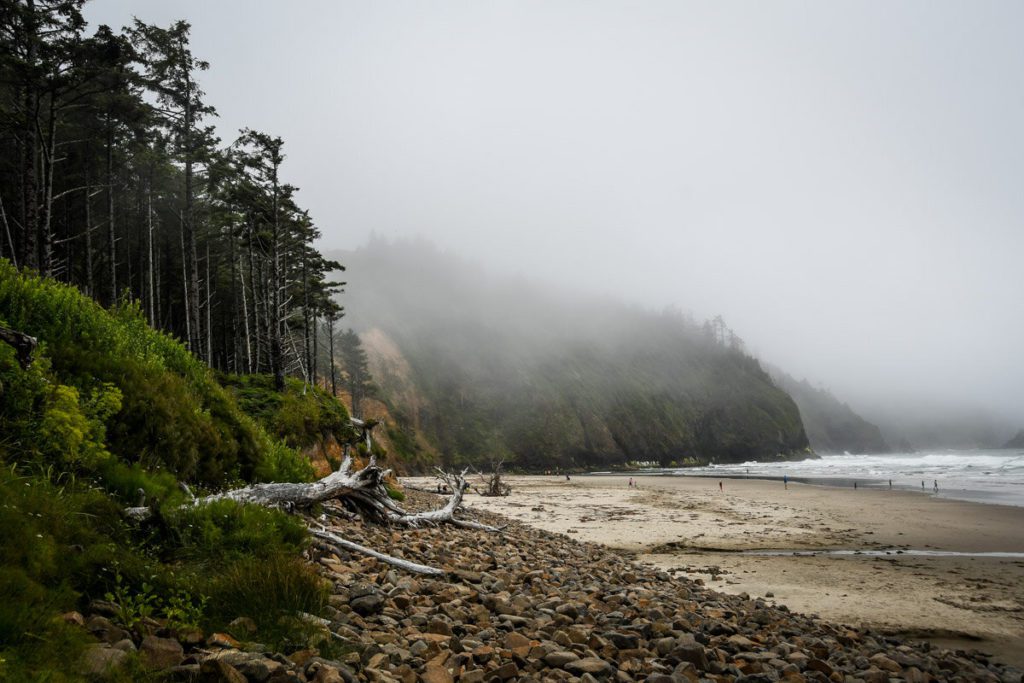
<point x="878" y="553"/>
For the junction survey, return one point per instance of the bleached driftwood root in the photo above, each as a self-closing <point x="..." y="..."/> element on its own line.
<point x="331" y="541"/>
<point x="493" y="486"/>
<point x="359" y="494"/>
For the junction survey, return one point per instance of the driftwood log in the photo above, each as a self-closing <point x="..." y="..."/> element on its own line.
<point x="347" y="494"/>
<point x="22" y="343"/>
<point x="493" y="485"/>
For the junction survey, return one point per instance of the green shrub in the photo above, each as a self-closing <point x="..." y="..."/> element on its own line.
<point x="394" y="493"/>
<point x="298" y="416"/>
<point x="222" y="531"/>
<point x="273" y="592"/>
<point x="281" y="463"/>
<point x="104" y="381"/>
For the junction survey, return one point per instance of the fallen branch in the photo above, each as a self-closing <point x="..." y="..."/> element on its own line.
<point x="22" y="343"/>
<point x="333" y="542"/>
<point x="493" y="485"/>
<point x="347" y="494"/>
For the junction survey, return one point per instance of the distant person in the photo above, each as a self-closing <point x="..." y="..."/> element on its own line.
<point x="631" y="482"/>
<point x="936" y="486"/>
<point x="785" y="481"/>
<point x="890" y="483"/>
<point x="567" y="477"/>
<point x="720" y="486"/>
<point x="922" y="486"/>
<point x="854" y="486"/>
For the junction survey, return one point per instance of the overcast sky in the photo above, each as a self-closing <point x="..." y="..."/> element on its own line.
<point x="843" y="182"/>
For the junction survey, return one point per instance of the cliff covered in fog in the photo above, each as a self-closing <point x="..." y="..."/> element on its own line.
<point x="482" y="367"/>
<point x="832" y="426"/>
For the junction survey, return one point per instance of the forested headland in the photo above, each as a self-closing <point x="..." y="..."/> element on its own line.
<point x="477" y="367"/>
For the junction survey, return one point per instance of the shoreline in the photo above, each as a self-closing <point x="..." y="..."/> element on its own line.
<point x="685" y="525"/>
<point x="979" y="496"/>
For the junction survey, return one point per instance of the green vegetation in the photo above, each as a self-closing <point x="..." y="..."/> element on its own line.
<point x="107" y="408"/>
<point x="500" y="369"/>
<point x="299" y="415"/>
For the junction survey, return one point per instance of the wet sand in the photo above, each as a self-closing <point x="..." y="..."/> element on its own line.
<point x="687" y="525"/>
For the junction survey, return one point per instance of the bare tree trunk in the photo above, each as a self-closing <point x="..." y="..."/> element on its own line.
<point x="276" y="350"/>
<point x="334" y="374"/>
<point x="305" y="319"/>
<point x="185" y="288"/>
<point x="49" y="161"/>
<point x="90" y="285"/>
<point x="245" y="322"/>
<point x="209" y="317"/>
<point x="30" y="148"/>
<point x="316" y="348"/>
<point x="111" y="233"/>
<point x="7" y="232"/>
<point x="150" y="304"/>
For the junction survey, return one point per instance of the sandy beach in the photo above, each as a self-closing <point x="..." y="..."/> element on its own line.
<point x="688" y="526"/>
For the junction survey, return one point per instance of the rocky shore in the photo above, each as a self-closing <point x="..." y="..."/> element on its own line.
<point x="529" y="605"/>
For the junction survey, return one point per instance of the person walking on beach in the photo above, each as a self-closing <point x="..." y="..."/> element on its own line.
<point x="785" y="481"/>
<point x="720" y="487"/>
<point x="936" y="486"/>
<point x="854" y="486"/>
<point x="890" y="483"/>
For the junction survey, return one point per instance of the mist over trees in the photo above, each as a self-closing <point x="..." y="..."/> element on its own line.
<point x="488" y="368"/>
<point x="832" y="426"/>
<point x="112" y="178"/>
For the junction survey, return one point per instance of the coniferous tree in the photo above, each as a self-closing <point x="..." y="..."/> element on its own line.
<point x="355" y="367"/>
<point x="111" y="179"/>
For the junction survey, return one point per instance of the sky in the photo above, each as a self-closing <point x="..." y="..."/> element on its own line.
<point x="842" y="181"/>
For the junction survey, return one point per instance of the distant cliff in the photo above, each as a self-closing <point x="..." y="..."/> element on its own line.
<point x="484" y="368"/>
<point x="1016" y="442"/>
<point x="832" y="426"/>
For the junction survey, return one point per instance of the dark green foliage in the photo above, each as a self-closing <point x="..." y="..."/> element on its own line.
<point x="300" y="415"/>
<point x="221" y="532"/>
<point x="272" y="591"/>
<point x="105" y="384"/>
<point x="57" y="537"/>
<point x="107" y="408"/>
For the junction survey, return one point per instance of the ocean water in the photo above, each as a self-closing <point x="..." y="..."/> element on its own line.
<point x="986" y="476"/>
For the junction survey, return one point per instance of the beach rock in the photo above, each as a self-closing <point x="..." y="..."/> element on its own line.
<point x="883" y="662"/>
<point x="436" y="673"/>
<point x="161" y="653"/>
<point x="73" y="618"/>
<point x="219" y="671"/>
<point x="589" y="665"/>
<point x="560" y="658"/>
<point x="366" y="605"/>
<point x="222" y="640"/>
<point x="104" y="629"/>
